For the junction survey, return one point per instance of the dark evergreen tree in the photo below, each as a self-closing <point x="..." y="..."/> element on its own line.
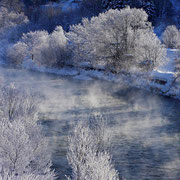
<point x="147" y="5"/>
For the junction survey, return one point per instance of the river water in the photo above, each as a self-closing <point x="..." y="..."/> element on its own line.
<point x="144" y="127"/>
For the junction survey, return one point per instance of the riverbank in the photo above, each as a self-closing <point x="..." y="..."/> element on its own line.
<point x="165" y="79"/>
<point x="136" y="79"/>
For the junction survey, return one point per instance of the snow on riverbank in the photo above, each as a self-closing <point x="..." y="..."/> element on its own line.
<point x="64" y="71"/>
<point x="159" y="81"/>
<point x="165" y="77"/>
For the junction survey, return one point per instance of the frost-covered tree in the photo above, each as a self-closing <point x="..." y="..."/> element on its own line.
<point x="28" y="176"/>
<point x="11" y="25"/>
<point x="149" y="50"/>
<point x="111" y="38"/>
<point x="42" y="48"/>
<point x="23" y="147"/>
<point x="28" y="48"/>
<point x="171" y="37"/>
<point x="177" y="64"/>
<point x="35" y="41"/>
<point x="97" y="124"/>
<point x="16" y="53"/>
<point x="9" y="19"/>
<point x="58" y="47"/>
<point x="16" y="103"/>
<point x="12" y="5"/>
<point x="88" y="162"/>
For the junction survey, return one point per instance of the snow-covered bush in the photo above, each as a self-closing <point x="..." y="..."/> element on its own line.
<point x="171" y="37"/>
<point x="149" y="50"/>
<point x="11" y="18"/>
<point x="16" y="151"/>
<point x="177" y="64"/>
<point x="28" y="176"/>
<point x="9" y="21"/>
<point x="16" y="53"/>
<point x="88" y="162"/>
<point x="35" y="42"/>
<point x="29" y="47"/>
<point x="16" y="103"/>
<point x="111" y="38"/>
<point x="59" y="51"/>
<point x="11" y="27"/>
<point x="23" y="147"/>
<point x="42" y="48"/>
<point x="12" y="5"/>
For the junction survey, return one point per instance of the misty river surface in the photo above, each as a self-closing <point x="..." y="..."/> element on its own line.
<point x="144" y="127"/>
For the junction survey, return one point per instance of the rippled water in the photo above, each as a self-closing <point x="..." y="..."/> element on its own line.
<point x="144" y="127"/>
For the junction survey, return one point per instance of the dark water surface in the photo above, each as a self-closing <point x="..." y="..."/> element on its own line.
<point x="144" y="127"/>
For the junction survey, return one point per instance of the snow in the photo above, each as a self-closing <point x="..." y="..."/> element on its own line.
<point x="167" y="70"/>
<point x="63" y="71"/>
<point x="84" y="64"/>
<point x="173" y="50"/>
<point x="169" y="65"/>
<point x="162" y="75"/>
<point x="160" y="80"/>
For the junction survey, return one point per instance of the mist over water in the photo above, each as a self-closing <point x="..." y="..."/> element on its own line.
<point x="144" y="127"/>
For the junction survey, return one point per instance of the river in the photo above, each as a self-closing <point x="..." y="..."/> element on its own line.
<point x="144" y="127"/>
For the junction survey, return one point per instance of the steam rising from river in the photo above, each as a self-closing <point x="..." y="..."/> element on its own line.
<point x="144" y="128"/>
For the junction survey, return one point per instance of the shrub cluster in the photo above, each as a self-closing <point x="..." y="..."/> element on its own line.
<point x="118" y="40"/>
<point x="42" y="48"/>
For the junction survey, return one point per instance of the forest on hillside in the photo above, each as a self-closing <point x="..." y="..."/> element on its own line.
<point x="166" y="11"/>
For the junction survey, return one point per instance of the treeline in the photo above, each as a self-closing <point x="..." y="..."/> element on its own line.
<point x="49" y="16"/>
<point x="116" y="40"/>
